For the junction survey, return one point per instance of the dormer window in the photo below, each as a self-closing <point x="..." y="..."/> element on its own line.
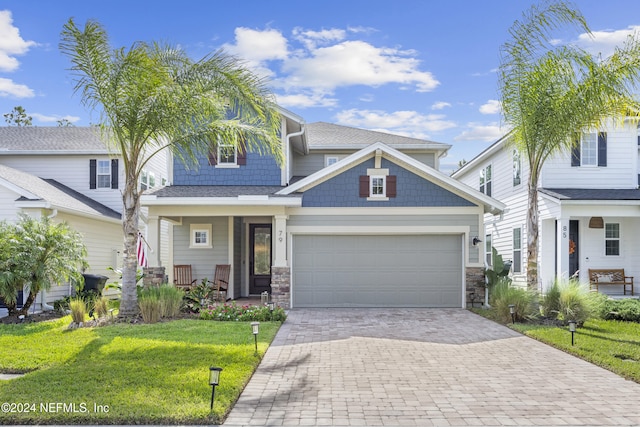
<point x="377" y="186"/>
<point x="227" y="154"/>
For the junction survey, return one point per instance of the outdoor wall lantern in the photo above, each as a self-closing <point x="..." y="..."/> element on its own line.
<point x="214" y="380"/>
<point x="512" y="311"/>
<point x="255" y="327"/>
<point x="476" y="240"/>
<point x="572" y="329"/>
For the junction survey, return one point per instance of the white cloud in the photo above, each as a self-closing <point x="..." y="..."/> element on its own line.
<point x="481" y="132"/>
<point x="440" y="105"/>
<point x="319" y="62"/>
<point x="410" y="123"/>
<point x="51" y="119"/>
<point x="493" y="106"/>
<point x="604" y="42"/>
<point x="357" y="63"/>
<point x="11" y="43"/>
<point x="306" y="100"/>
<point x="9" y="88"/>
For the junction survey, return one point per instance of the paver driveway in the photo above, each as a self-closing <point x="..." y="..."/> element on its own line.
<point x="424" y="367"/>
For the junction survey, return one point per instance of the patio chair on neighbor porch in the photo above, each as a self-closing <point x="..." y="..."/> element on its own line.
<point x="182" y="276"/>
<point x="221" y="281"/>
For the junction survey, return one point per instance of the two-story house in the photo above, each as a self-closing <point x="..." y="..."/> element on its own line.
<point x="68" y="174"/>
<point x="588" y="199"/>
<point x="351" y="218"/>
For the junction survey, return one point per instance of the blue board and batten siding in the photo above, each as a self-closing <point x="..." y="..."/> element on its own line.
<point x="412" y="190"/>
<point x="259" y="170"/>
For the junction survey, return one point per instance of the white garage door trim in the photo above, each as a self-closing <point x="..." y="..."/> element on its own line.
<point x="461" y="231"/>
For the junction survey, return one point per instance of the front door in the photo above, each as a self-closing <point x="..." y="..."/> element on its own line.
<point x="259" y="258"/>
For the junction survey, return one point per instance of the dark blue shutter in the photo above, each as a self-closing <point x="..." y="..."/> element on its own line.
<point x="93" y="173"/>
<point x="114" y="173"/>
<point x="602" y="149"/>
<point x="575" y="152"/>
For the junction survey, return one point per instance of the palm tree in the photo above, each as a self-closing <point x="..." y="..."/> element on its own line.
<point x="153" y="97"/>
<point x="550" y="93"/>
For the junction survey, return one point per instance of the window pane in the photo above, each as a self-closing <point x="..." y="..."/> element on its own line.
<point x="612" y="247"/>
<point x="227" y="154"/>
<point x="200" y="237"/>
<point x="104" y="181"/>
<point x="589" y="149"/>
<point x="612" y="231"/>
<point x="104" y="167"/>
<point x="517" y="165"/>
<point x="377" y="186"/>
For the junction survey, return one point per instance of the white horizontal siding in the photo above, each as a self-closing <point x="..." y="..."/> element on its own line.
<point x="7" y="204"/>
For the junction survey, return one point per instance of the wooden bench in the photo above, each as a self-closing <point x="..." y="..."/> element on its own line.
<point x="610" y="276"/>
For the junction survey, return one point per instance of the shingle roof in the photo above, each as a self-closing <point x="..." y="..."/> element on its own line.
<point x="57" y="194"/>
<point x="327" y="135"/>
<point x="50" y="139"/>
<point x="216" y="191"/>
<point x="591" y="194"/>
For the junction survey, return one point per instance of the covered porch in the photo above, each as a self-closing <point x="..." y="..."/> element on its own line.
<point x="246" y="231"/>
<point x="579" y="232"/>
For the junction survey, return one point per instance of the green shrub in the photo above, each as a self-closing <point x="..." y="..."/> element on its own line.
<point x="234" y="312"/>
<point x="101" y="306"/>
<point x="503" y="295"/>
<point x="550" y="303"/>
<point x="575" y="302"/>
<point x="150" y="306"/>
<point x="627" y="310"/>
<point x="170" y="300"/>
<point x="78" y="310"/>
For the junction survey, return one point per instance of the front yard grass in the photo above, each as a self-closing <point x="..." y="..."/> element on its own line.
<point x="126" y="374"/>
<point x="611" y="344"/>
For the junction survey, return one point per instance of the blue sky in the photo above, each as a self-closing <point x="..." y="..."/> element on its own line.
<point x="425" y="69"/>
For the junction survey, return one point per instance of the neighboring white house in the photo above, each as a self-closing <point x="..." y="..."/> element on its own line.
<point x="68" y="174"/>
<point x="589" y="205"/>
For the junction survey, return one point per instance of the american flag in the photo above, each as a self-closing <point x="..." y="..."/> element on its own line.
<point x="142" y="252"/>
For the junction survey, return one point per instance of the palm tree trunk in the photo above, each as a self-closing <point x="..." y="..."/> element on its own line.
<point x="532" y="237"/>
<point x="131" y="212"/>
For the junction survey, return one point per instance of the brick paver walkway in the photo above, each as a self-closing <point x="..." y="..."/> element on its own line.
<point x="424" y="367"/>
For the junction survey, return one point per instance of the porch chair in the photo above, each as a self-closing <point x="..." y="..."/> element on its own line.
<point x="221" y="281"/>
<point x="182" y="276"/>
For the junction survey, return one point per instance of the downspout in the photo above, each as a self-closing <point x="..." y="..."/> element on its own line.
<point x="43" y="293"/>
<point x="288" y="160"/>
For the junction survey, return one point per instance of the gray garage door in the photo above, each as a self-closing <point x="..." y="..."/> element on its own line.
<point x="377" y="271"/>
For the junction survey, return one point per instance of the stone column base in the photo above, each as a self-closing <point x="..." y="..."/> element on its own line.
<point x="281" y="286"/>
<point x="474" y="280"/>
<point x="153" y="276"/>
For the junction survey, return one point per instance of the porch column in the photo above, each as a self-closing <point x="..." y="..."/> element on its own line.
<point x="280" y="241"/>
<point x="153" y="239"/>
<point x="562" y="248"/>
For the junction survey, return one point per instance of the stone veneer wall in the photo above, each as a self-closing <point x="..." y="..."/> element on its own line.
<point x="281" y="286"/>
<point x="153" y="276"/>
<point x="474" y="279"/>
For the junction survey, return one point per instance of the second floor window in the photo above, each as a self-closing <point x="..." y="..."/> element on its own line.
<point x="104" y="174"/>
<point x="517" y="168"/>
<point x="377" y="186"/>
<point x="485" y="180"/>
<point x="227" y="154"/>
<point x="590" y="150"/>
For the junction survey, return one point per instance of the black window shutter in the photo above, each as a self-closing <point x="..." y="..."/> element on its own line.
<point x="242" y="155"/>
<point x="391" y="186"/>
<point x="364" y="186"/>
<point x="114" y="173"/>
<point x="93" y="173"/>
<point x="575" y="152"/>
<point x="602" y="149"/>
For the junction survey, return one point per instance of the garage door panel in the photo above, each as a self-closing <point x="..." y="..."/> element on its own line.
<point x="377" y="271"/>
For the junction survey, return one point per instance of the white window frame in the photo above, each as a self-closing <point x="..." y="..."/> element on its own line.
<point x="517" y="168"/>
<point x="591" y="140"/>
<point x="488" y="250"/>
<point x="377" y="197"/>
<point x="199" y="230"/>
<point x="483" y="187"/>
<point x="227" y="164"/>
<point x="612" y="239"/>
<point x="329" y="160"/>
<point x="100" y="173"/>
<point x="516" y="249"/>
<point x="144" y="180"/>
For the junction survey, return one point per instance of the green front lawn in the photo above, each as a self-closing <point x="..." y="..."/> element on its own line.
<point x="612" y="344"/>
<point x="126" y="374"/>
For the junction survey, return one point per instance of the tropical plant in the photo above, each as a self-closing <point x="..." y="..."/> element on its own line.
<point x="574" y="302"/>
<point x="198" y="296"/>
<point x="498" y="271"/>
<point x="78" y="310"/>
<point x="34" y="254"/>
<point x="551" y="91"/>
<point x="153" y="97"/>
<point x="504" y="295"/>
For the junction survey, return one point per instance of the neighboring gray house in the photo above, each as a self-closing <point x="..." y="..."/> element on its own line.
<point x="353" y="218"/>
